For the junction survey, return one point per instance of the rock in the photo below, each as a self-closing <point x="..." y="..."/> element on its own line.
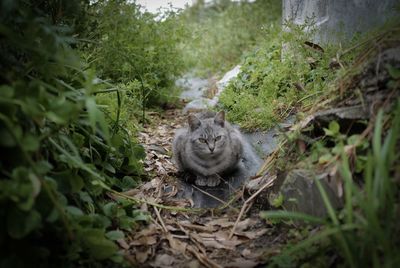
<point x="265" y="142"/>
<point x="193" y="87"/>
<point x="300" y="193"/>
<point x="221" y="84"/>
<point x="157" y="148"/>
<point x="199" y="104"/>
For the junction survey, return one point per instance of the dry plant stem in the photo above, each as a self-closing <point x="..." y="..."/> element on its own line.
<point x="268" y="162"/>
<point x="195" y="227"/>
<point x="203" y="258"/>
<point x="216" y="198"/>
<point x="156" y="223"/>
<point x="137" y="200"/>
<point x="230" y="202"/>
<point x="376" y="37"/>
<point x="160" y="219"/>
<point x="248" y="203"/>
<point x="194" y="241"/>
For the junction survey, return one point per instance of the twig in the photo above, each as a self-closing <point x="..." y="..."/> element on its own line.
<point x="203" y="258"/>
<point x="160" y="219"/>
<point x="191" y="238"/>
<point x="216" y="198"/>
<point x="137" y="200"/>
<point x="247" y="202"/>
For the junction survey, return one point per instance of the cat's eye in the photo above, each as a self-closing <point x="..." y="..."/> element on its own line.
<point x="217" y="138"/>
<point x="202" y="140"/>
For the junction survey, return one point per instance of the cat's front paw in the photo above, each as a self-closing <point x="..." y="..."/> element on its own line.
<point x="210" y="181"/>
<point x="201" y="180"/>
<point x="213" y="180"/>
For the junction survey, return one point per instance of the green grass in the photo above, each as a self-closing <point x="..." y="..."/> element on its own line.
<point x="220" y="33"/>
<point x="277" y="80"/>
<point x="365" y="232"/>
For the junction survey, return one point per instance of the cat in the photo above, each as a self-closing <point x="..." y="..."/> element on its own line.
<point x="208" y="148"/>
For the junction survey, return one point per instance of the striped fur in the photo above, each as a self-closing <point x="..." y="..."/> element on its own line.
<point x="208" y="146"/>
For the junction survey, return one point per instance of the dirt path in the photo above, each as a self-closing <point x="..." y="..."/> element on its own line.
<point x="234" y="234"/>
<point x="187" y="237"/>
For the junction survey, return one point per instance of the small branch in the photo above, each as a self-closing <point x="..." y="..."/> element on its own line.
<point x="160" y="219"/>
<point x="216" y="198"/>
<point x="137" y="200"/>
<point x="248" y="201"/>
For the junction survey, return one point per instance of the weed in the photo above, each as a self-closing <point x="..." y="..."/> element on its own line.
<point x="365" y="232"/>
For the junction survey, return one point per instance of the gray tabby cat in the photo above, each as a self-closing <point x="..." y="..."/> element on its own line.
<point x="209" y="148"/>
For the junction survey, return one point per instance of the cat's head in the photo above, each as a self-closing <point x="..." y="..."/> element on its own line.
<point x="208" y="136"/>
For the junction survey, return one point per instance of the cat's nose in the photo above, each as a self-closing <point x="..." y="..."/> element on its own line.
<point x="211" y="148"/>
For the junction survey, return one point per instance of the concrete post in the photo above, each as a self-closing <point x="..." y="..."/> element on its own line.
<point x="337" y="20"/>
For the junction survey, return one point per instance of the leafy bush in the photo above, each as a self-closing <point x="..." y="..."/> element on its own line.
<point x="276" y="79"/>
<point x="365" y="232"/>
<point x="128" y="45"/>
<point x="60" y="156"/>
<point x="222" y="31"/>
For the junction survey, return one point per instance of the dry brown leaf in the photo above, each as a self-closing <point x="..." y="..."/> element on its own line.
<point x="197" y="227"/>
<point x="241" y="263"/>
<point x="245" y="224"/>
<point x="223" y="237"/>
<point x="248" y="254"/>
<point x="132" y="192"/>
<point x="150" y="230"/>
<point x="216" y="244"/>
<point x="252" y="234"/>
<point x="144" y="241"/>
<point x="219" y="239"/>
<point x="163" y="260"/>
<point x="193" y="264"/>
<point x="222" y="222"/>
<point x="122" y="243"/>
<point x="176" y="245"/>
<point x="142" y="256"/>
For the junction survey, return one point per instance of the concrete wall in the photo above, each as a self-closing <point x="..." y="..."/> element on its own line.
<point x="338" y="20"/>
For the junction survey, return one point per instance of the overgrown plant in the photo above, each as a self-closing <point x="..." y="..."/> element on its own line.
<point x="129" y="46"/>
<point x="59" y="153"/>
<point x="365" y="232"/>
<point x="276" y="79"/>
<point x="222" y="31"/>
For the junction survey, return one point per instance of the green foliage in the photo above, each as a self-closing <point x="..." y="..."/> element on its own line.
<point x="365" y="232"/>
<point x="221" y="31"/>
<point x="60" y="151"/>
<point x="275" y="80"/>
<point x="129" y="46"/>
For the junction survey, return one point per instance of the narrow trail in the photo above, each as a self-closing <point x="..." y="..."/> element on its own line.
<point x="233" y="234"/>
<point x="181" y="236"/>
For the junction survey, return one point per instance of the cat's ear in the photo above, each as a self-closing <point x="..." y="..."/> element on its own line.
<point x="219" y="118"/>
<point x="194" y="122"/>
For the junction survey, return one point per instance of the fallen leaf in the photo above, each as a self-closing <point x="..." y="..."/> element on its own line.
<point x="142" y="256"/>
<point x="223" y="222"/>
<point x="242" y="263"/>
<point x="175" y="244"/>
<point x="144" y="241"/>
<point x="243" y="225"/>
<point x="163" y="260"/>
<point x="249" y="254"/>
<point x="122" y="243"/>
<point x="252" y="234"/>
